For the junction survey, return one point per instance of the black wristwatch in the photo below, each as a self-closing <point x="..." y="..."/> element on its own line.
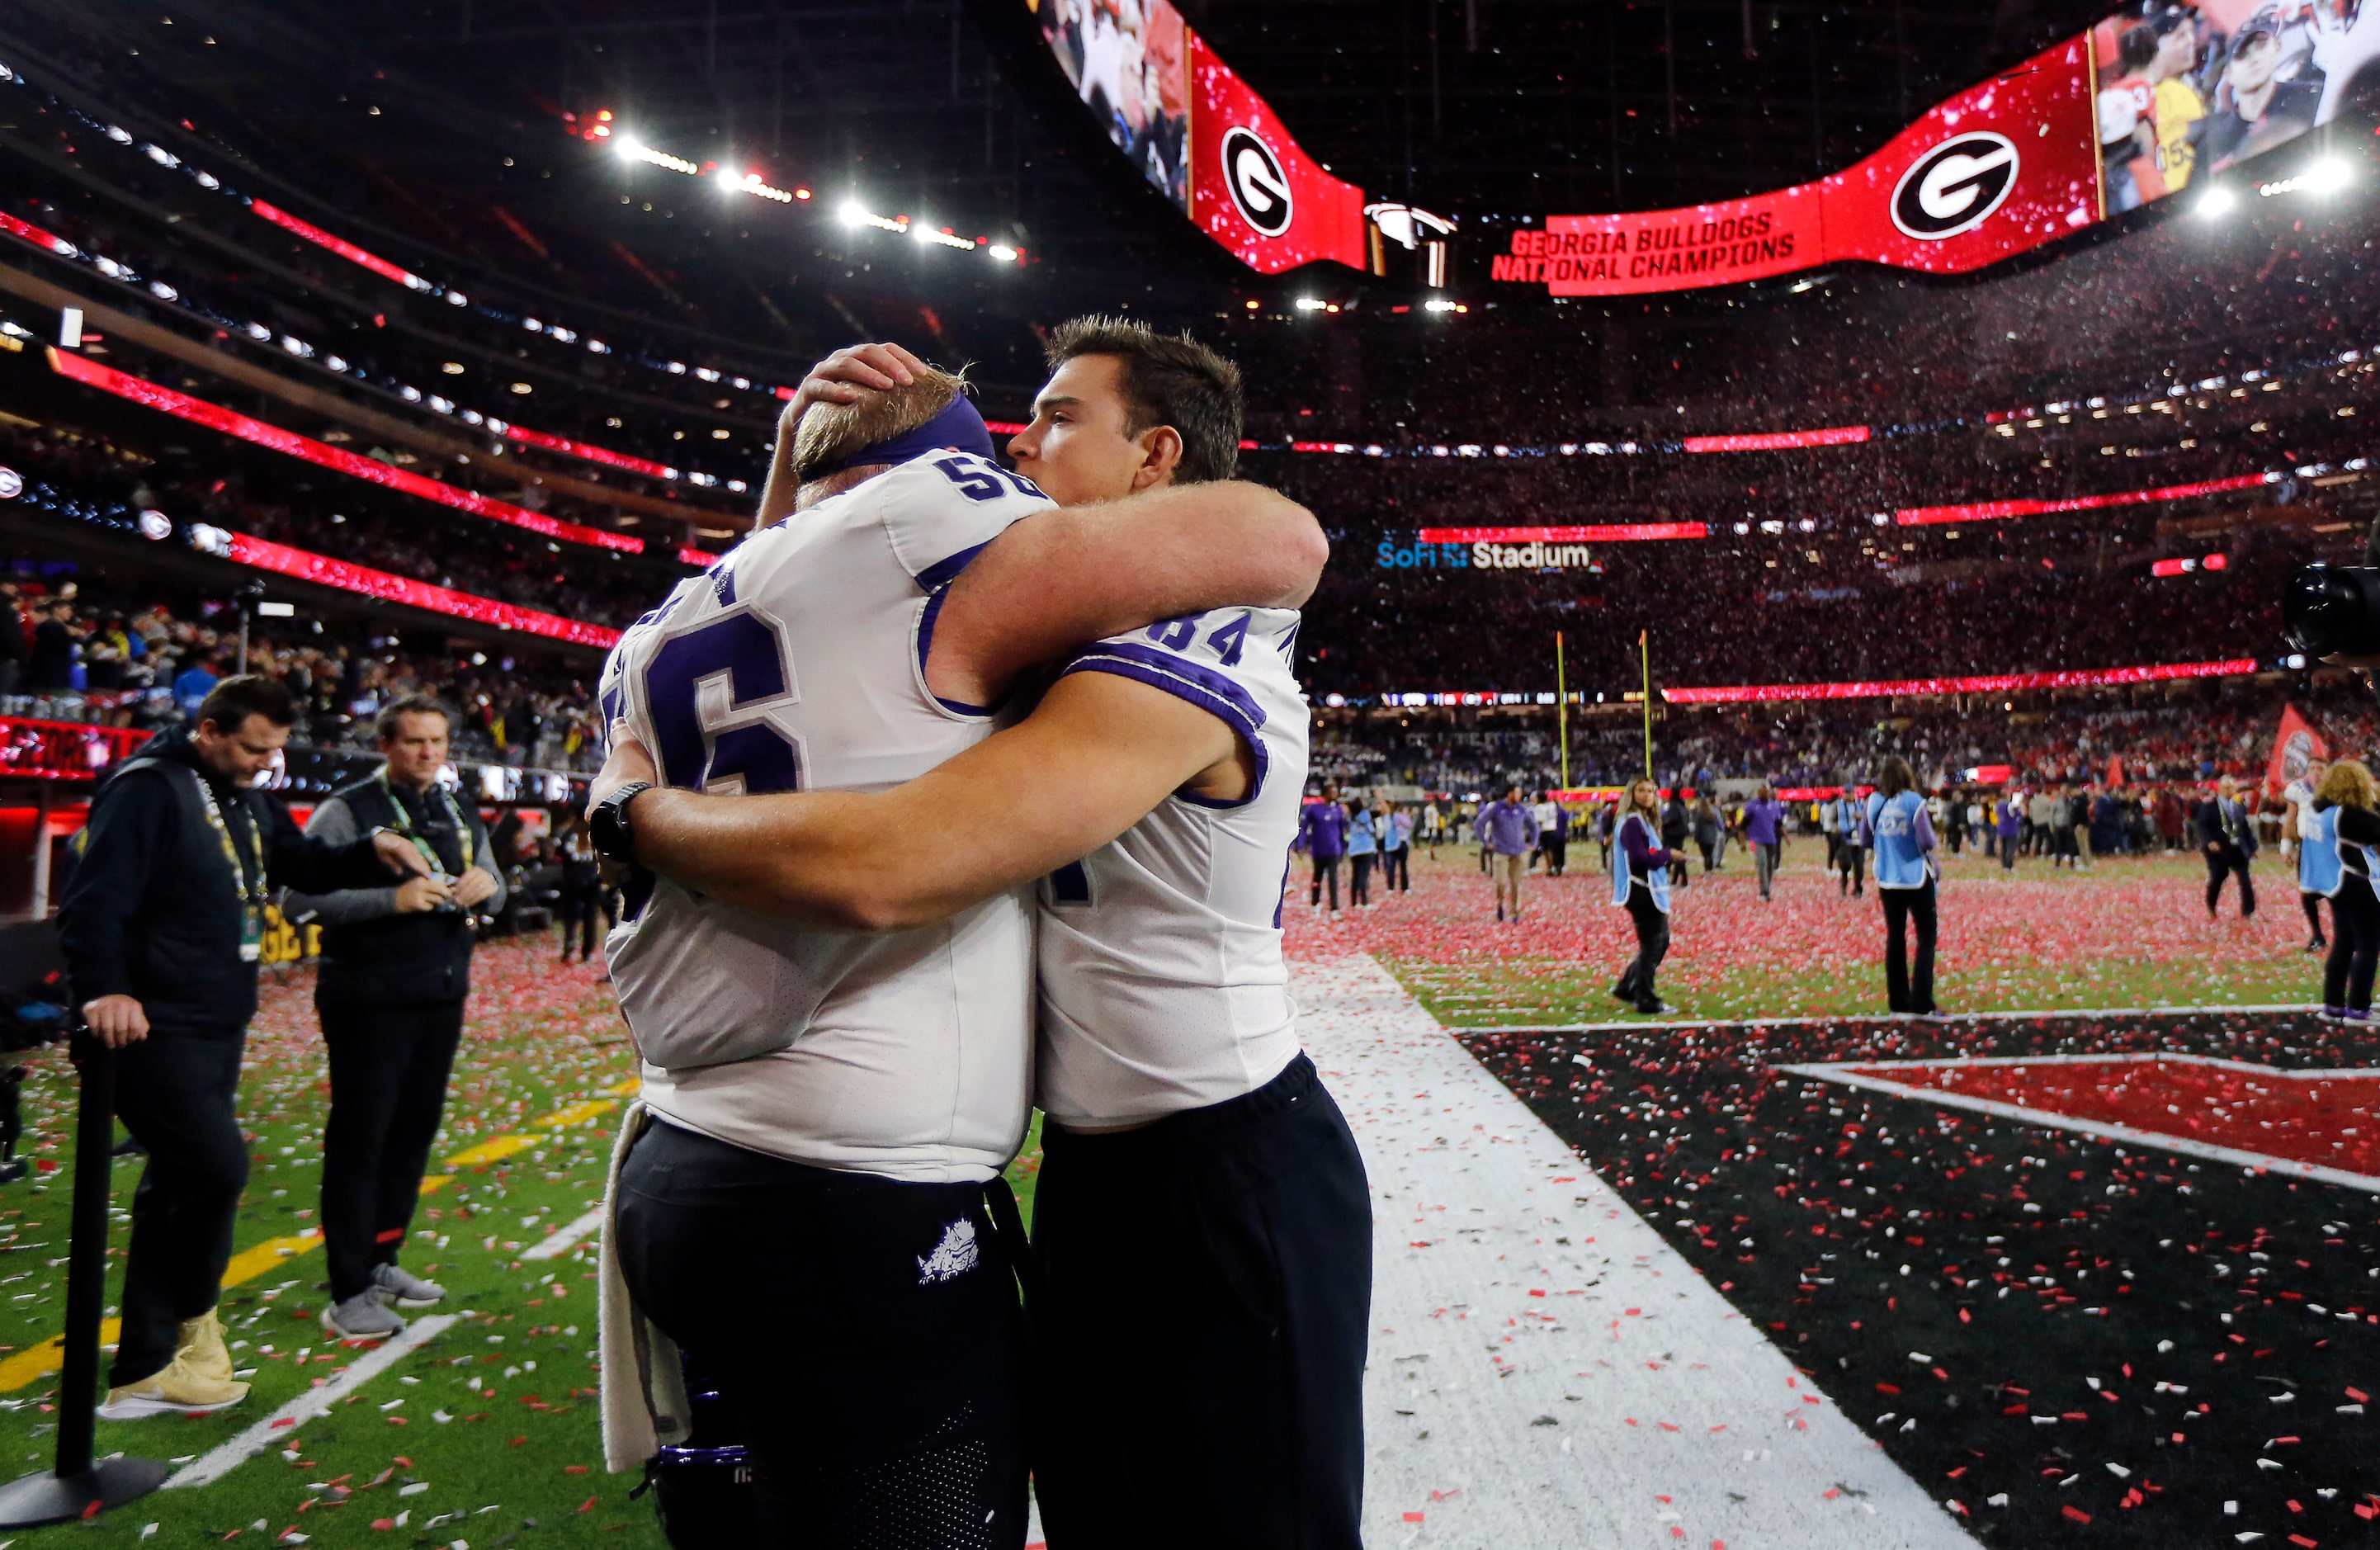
<point x="607" y="823"/>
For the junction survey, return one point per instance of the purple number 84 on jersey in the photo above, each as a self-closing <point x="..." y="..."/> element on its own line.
<point x="750" y="654"/>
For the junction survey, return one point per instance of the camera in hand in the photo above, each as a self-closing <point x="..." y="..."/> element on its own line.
<point x="2334" y="610"/>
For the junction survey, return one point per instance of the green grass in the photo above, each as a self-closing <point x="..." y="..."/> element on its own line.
<point x="2128" y="933"/>
<point x="520" y="1461"/>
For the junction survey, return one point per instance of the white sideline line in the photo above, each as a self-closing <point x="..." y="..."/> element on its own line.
<point x="2156" y="1140"/>
<point x="225" y="1457"/>
<point x="1870" y="1017"/>
<point x="1507" y="1379"/>
<point x="559" y="1242"/>
<point x="2310" y="1073"/>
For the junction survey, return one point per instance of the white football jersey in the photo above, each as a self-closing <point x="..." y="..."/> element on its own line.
<point x="798" y="663"/>
<point x="1162" y="983"/>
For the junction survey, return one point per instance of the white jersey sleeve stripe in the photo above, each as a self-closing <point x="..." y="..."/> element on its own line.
<point x="1209" y="691"/>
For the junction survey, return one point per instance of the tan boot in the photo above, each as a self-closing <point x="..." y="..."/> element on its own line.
<point x="175" y="1390"/>
<point x="201" y="1348"/>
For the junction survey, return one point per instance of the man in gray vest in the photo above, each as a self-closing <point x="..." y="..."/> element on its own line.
<point x="397" y="966"/>
<point x="163" y="926"/>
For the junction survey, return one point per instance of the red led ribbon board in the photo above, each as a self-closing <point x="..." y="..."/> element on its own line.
<point x="1613" y="532"/>
<point x="1995" y="511"/>
<point x="62" y="750"/>
<point x="1252" y="189"/>
<point x="1996" y="683"/>
<point x="2310" y="1124"/>
<point x="321" y="569"/>
<point x="545" y="442"/>
<point x="1996" y="170"/>
<point x="27" y="232"/>
<point x="1779" y="441"/>
<point x="181" y="406"/>
<point x="339" y="245"/>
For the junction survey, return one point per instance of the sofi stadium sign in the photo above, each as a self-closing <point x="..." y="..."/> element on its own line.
<point x="2132" y="111"/>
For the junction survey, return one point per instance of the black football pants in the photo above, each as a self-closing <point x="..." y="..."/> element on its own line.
<point x="1209" y="1283"/>
<point x="388" y="1067"/>
<point x="864" y="1332"/>
<point x="174" y="1092"/>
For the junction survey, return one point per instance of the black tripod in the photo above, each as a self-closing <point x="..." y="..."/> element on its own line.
<point x="77" y="1486"/>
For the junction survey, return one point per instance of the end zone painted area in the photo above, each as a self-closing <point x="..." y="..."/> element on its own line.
<point x="1545" y="1369"/>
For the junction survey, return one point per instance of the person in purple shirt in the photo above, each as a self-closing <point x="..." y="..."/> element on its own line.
<point x="1763" y="830"/>
<point x="1322" y="834"/>
<point x="1509" y="832"/>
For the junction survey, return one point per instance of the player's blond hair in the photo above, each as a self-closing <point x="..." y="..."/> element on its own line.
<point x="2348" y="783"/>
<point x="830" y="433"/>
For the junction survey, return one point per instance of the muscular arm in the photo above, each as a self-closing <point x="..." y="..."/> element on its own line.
<point x="1093" y="759"/>
<point x="1082" y="573"/>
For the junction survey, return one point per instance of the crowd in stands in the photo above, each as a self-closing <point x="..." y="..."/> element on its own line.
<point x="1828" y="594"/>
<point x="359" y="524"/>
<point x="108" y="653"/>
<point x="2188" y="736"/>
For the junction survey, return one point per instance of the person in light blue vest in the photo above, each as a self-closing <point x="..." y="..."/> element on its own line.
<point x="1363" y="850"/>
<point x="1895" y="824"/>
<point x="2340" y="831"/>
<point x="1640" y="884"/>
<point x="2299" y="796"/>
<point x="1851" y="851"/>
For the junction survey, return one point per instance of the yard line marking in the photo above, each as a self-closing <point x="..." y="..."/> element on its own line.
<point x="494" y="1151"/>
<point x="560" y="1241"/>
<point x="2050" y="1119"/>
<point x="39" y="1361"/>
<point x="578" y="1113"/>
<point x="1871" y="1016"/>
<point x="225" y="1457"/>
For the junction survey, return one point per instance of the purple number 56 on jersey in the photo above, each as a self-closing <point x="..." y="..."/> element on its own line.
<point x="750" y="653"/>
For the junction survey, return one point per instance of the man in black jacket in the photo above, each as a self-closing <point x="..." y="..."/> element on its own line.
<point x="162" y="924"/>
<point x="396" y="965"/>
<point x="2226" y="835"/>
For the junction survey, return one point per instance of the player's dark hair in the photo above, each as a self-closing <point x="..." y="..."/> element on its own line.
<point x="1896" y="776"/>
<point x="231" y="702"/>
<point x="1168" y="379"/>
<point x="391" y="721"/>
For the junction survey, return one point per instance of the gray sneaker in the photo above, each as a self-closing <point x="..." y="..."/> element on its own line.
<point x="361" y="1317"/>
<point x="404" y="1289"/>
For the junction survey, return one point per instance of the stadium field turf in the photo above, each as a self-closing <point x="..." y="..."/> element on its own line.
<point x="2127" y="932"/>
<point x="2061" y="1333"/>
<point x="488" y="1431"/>
<point x="487" y="1434"/>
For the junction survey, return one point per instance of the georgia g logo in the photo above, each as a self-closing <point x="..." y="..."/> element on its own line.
<point x="1955" y="187"/>
<point x="1259" y="186"/>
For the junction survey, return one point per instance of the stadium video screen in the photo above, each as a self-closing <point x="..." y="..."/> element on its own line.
<point x="1130" y="61"/>
<point x="2186" y="93"/>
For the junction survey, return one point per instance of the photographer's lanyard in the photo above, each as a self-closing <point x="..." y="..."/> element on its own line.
<point x="248" y="885"/>
<point x="404" y="826"/>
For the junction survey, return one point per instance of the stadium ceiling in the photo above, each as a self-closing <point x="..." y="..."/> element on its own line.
<point x="1477" y="107"/>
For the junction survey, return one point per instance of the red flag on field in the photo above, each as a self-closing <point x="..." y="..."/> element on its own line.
<point x="2294" y="750"/>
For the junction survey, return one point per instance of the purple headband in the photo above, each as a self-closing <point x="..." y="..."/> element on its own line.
<point x="958" y="428"/>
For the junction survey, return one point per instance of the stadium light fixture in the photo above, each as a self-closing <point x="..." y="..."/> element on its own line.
<point x="2216" y="201"/>
<point x="2330" y="175"/>
<point x="1001" y="253"/>
<point x="1439" y="304"/>
<point x="1310" y="304"/>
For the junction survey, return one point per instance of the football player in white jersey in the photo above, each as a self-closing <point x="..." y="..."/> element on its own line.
<point x="805" y="1212"/>
<point x="1202" y="1223"/>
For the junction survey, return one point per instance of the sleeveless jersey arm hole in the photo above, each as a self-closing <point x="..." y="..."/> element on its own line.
<point x="927" y="613"/>
<point x="1209" y="691"/>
